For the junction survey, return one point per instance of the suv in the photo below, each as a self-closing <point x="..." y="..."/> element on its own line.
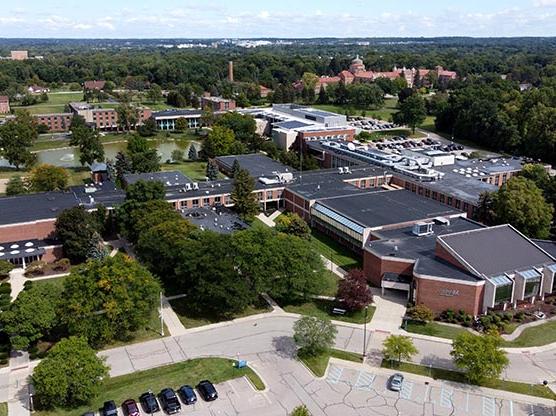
<point x="169" y="401"/>
<point x="109" y="408"/>
<point x="149" y="402"/>
<point x="395" y="382"/>
<point x="207" y="390"/>
<point x="187" y="394"/>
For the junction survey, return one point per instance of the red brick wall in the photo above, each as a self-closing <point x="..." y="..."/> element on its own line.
<point x="441" y="252"/>
<point x="35" y="230"/>
<point x="374" y="267"/>
<point x="433" y="294"/>
<point x="53" y="253"/>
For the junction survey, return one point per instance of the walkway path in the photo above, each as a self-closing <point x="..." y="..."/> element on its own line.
<point x="269" y="221"/>
<point x="333" y="267"/>
<point x="171" y="319"/>
<point x="519" y="330"/>
<point x="17" y="282"/>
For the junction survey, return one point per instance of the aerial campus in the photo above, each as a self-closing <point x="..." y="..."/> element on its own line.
<point x="298" y="225"/>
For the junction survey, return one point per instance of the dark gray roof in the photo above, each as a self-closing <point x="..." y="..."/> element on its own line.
<point x="22" y="248"/>
<point x="377" y="209"/>
<point x="508" y="250"/>
<point x="546" y="245"/>
<point x="168" y="178"/>
<point x="40" y="206"/>
<point x="292" y="124"/>
<point x="220" y="220"/>
<point x="402" y="243"/>
<point x="257" y="164"/>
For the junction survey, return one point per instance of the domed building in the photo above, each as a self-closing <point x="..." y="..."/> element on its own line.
<point x="357" y="65"/>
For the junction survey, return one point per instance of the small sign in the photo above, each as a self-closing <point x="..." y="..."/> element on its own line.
<point x="449" y="292"/>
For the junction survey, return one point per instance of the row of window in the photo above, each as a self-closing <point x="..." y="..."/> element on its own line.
<point x="205" y="202"/>
<point x="443" y="199"/>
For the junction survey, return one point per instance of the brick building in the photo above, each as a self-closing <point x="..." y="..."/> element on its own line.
<point x="58" y="122"/>
<point x="4" y="104"/>
<point x="217" y="104"/>
<point x="19" y="55"/>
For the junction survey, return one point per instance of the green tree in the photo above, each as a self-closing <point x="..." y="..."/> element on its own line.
<point x="479" y="356"/>
<point x="48" y="178"/>
<point x="143" y="157"/>
<point x="107" y="300"/>
<point x="218" y="142"/>
<point x="353" y="291"/>
<point x="88" y="141"/>
<point x="71" y="375"/>
<point x="243" y="125"/>
<point x="122" y="166"/>
<point x="192" y="153"/>
<point x="78" y="231"/>
<point x="135" y="217"/>
<point x="398" y="347"/>
<point x="143" y="191"/>
<point x="412" y="112"/>
<point x="365" y="95"/>
<point x="323" y="96"/>
<point x="5" y="268"/>
<point x="148" y="128"/>
<point x="421" y="313"/>
<point x="177" y="155"/>
<point x="154" y="94"/>
<point x="291" y="223"/>
<point x="313" y="335"/>
<point x="245" y="203"/>
<point x="127" y="116"/>
<point x="212" y="170"/>
<point x="536" y="173"/>
<point x="520" y="203"/>
<point x="300" y="411"/>
<point x="16" y="137"/>
<point x="235" y="168"/>
<point x="32" y="315"/>
<point x="16" y="186"/>
<point x="181" y="124"/>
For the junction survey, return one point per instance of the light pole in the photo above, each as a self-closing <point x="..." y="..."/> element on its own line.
<point x="161" y="318"/>
<point x="365" y="334"/>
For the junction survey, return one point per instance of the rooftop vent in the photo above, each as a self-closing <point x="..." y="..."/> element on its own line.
<point x="442" y="221"/>
<point x="422" y="228"/>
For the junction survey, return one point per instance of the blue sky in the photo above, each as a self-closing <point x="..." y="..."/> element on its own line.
<point x="276" y="18"/>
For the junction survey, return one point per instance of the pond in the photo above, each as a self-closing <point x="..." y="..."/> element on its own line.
<point x="69" y="157"/>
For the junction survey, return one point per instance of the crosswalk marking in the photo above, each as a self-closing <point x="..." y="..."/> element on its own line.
<point x="489" y="406"/>
<point x="334" y="374"/>
<point x="407" y="390"/>
<point x="364" y="381"/>
<point x="446" y="395"/>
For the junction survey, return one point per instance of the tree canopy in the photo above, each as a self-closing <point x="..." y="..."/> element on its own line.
<point x="313" y="335"/>
<point x="47" y="177"/>
<point x="243" y="197"/>
<point x="78" y="231"/>
<point x="398" y="347"/>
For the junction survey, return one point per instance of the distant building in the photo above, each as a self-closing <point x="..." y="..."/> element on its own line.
<point x="37" y="89"/>
<point x="4" y="104"/>
<point x="217" y="103"/>
<point x="58" y="122"/>
<point x="105" y="118"/>
<point x="264" y="91"/>
<point x="94" y="85"/>
<point x="166" y="120"/>
<point x="19" y="55"/>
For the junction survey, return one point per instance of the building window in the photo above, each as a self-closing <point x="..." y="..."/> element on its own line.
<point x="183" y="204"/>
<point x="217" y="199"/>
<point x="195" y="203"/>
<point x="465" y="206"/>
<point x="449" y="200"/>
<point x="206" y="202"/>
<point x="458" y="204"/>
<point x="428" y="193"/>
<point x="532" y="287"/>
<point x="442" y="198"/>
<point x="435" y="195"/>
<point x="268" y="194"/>
<point x="503" y="294"/>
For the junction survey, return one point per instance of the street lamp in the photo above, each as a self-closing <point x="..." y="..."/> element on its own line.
<point x="365" y="333"/>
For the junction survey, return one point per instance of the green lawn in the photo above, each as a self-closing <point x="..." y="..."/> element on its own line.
<point x="4" y="409"/>
<point x="193" y="319"/>
<point x="331" y="249"/>
<point x="323" y="309"/>
<point x="534" y="336"/>
<point x="537" y="390"/>
<point x="56" y="103"/>
<point x="149" y="332"/>
<point x="77" y="176"/>
<point x="331" y="287"/>
<point x="195" y="170"/>
<point x="317" y="364"/>
<point x="434" y="329"/>
<point x="57" y="281"/>
<point x="383" y="113"/>
<point x="189" y="372"/>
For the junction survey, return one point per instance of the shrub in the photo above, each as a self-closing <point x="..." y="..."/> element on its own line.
<point x="421" y="313"/>
<point x="36" y="268"/>
<point x="5" y="288"/>
<point x="61" y="265"/>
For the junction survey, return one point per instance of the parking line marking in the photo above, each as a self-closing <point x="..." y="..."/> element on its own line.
<point x="334" y="374"/>
<point x="466" y="402"/>
<point x="446" y="397"/>
<point x="511" y="408"/>
<point x="489" y="406"/>
<point x="427" y="391"/>
<point x="407" y="389"/>
<point x="364" y="381"/>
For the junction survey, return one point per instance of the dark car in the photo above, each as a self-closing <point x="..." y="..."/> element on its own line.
<point x="169" y="401"/>
<point x="130" y="408"/>
<point x="395" y="382"/>
<point x="149" y="402"/>
<point x="109" y="408"/>
<point x="187" y="394"/>
<point x="207" y="390"/>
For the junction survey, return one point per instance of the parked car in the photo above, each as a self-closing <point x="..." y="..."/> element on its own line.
<point x="169" y="401"/>
<point x="187" y="394"/>
<point x="130" y="408"/>
<point x="109" y="408"/>
<point x="207" y="390"/>
<point x="149" y="402"/>
<point x="395" y="382"/>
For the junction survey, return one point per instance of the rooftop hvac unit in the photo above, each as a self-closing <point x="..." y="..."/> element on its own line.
<point x="195" y="186"/>
<point x="442" y="221"/>
<point x="422" y="228"/>
<point x="188" y="186"/>
<point x="341" y="170"/>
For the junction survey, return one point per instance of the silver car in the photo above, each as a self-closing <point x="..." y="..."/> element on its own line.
<point x="395" y="382"/>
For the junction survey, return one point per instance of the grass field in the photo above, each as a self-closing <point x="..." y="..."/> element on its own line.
<point x="537" y="390"/>
<point x="193" y="319"/>
<point x="337" y="253"/>
<point x="383" y="113"/>
<point x="318" y="363"/>
<point x="434" y="329"/>
<point x="150" y="331"/>
<point x="3" y="409"/>
<point x="56" y="281"/>
<point x="77" y="176"/>
<point x="322" y="309"/>
<point x="195" y="170"/>
<point x="534" y="336"/>
<point x="332" y="281"/>
<point x="56" y="103"/>
<point x="189" y="372"/>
